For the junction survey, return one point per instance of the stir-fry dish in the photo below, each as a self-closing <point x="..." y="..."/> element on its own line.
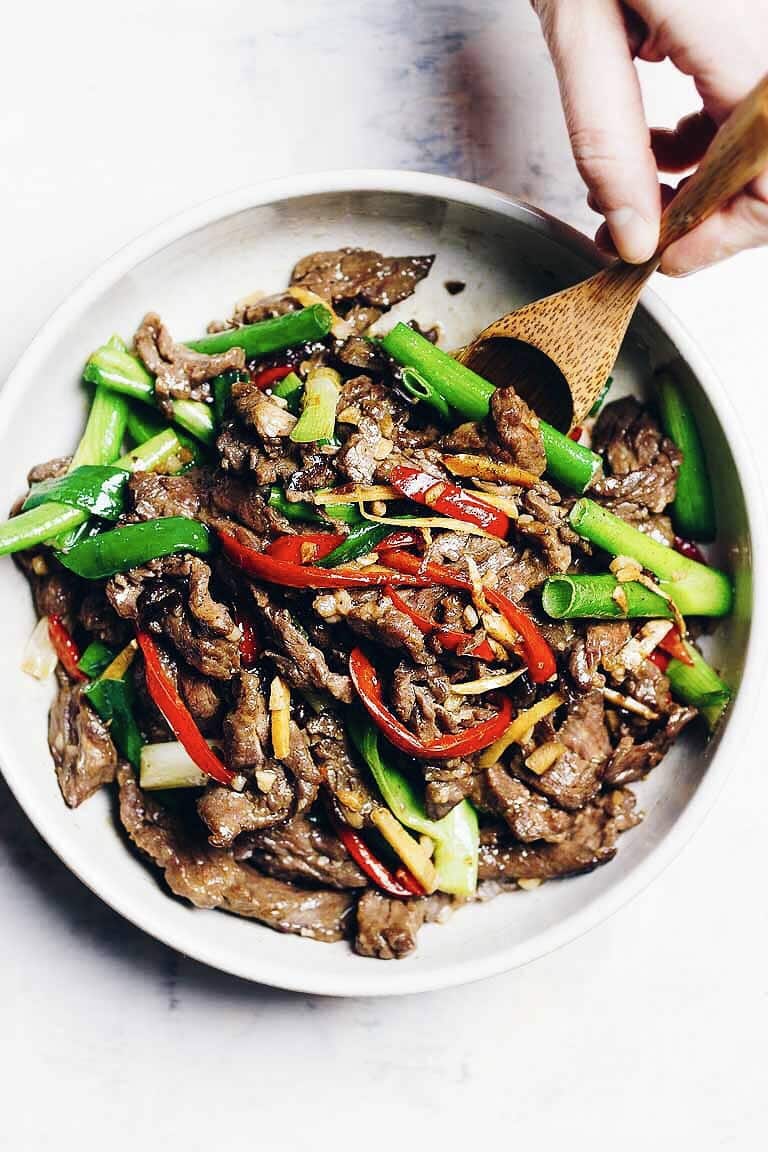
<point x="356" y="636"/>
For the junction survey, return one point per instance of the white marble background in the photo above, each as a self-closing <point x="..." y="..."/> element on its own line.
<point x="650" y="1031"/>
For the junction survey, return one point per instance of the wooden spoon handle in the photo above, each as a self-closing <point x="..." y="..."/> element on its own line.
<point x="738" y="153"/>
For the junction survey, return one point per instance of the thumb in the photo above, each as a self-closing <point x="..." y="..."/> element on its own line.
<point x="606" y="122"/>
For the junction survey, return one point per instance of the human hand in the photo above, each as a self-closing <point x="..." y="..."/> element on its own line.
<point x="593" y="44"/>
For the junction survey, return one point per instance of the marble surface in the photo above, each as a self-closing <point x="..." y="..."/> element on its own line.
<point x="113" y="117"/>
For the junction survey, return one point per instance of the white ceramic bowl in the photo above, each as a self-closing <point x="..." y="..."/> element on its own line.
<point x="191" y="269"/>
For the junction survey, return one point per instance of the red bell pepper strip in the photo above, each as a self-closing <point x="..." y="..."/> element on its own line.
<point x="462" y="642"/>
<point x="264" y="567"/>
<point x="575" y="434"/>
<point x="686" y="548"/>
<point x="368" y="687"/>
<point x="673" y="645"/>
<point x="304" y="548"/>
<point x="163" y="692"/>
<point x="660" y="659"/>
<point x="448" y="499"/>
<point x="249" y="643"/>
<point x="400" y="884"/>
<point x="65" y="648"/>
<point x="269" y="376"/>
<point x="401" y="539"/>
<point x="535" y="650"/>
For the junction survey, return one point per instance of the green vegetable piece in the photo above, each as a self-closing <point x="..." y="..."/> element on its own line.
<point x="699" y="686"/>
<point x="144" y="424"/>
<point x="362" y="539"/>
<point x="695" y="588"/>
<point x="574" y="597"/>
<point x="135" y="544"/>
<point x="96" y="658"/>
<point x="456" y="836"/>
<point x="318" y="407"/>
<point x="416" y="386"/>
<point x="289" y="389"/>
<point x="96" y="488"/>
<point x="268" y="336"/>
<point x="595" y="409"/>
<point x="221" y="386"/>
<point x="693" y="509"/>
<point x="568" y="463"/>
<point x="461" y="388"/>
<point x="115" y="702"/>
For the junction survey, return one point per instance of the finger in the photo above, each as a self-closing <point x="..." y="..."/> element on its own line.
<point x="741" y="224"/>
<point x="604" y="113"/>
<point x="677" y="149"/>
<point x="603" y="236"/>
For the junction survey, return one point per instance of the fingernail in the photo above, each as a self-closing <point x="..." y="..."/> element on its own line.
<point x="634" y="237"/>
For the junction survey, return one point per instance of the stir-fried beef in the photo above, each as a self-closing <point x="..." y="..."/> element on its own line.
<point x="246" y="727"/>
<point x="575" y="776"/>
<point x="211" y="877"/>
<point x="304" y="852"/>
<point x="599" y="643"/>
<point x="171" y="598"/>
<point x="591" y="841"/>
<point x="180" y="373"/>
<point x="641" y="464"/>
<point x="366" y="277"/>
<point x="518" y="430"/>
<point x="302" y="664"/>
<point x="263" y="669"/>
<point x="48" y="470"/>
<point x="82" y="751"/>
<point x="529" y="817"/>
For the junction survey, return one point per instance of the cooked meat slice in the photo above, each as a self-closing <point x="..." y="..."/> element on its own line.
<point x="543" y="520"/>
<point x="386" y="927"/>
<point x="82" y="751"/>
<point x="632" y="760"/>
<point x="180" y="373"/>
<point x="302" y="664"/>
<point x="152" y="495"/>
<point x="317" y="470"/>
<point x="48" y="470"/>
<point x="448" y="782"/>
<point x="97" y="616"/>
<point x="331" y="752"/>
<point x="257" y="307"/>
<point x="641" y="464"/>
<point x="420" y="697"/>
<point x="591" y="842"/>
<point x="240" y="500"/>
<point x="246" y="728"/>
<point x="529" y="816"/>
<point x="650" y="686"/>
<point x="228" y="814"/>
<point x="518" y="430"/>
<point x="212" y="878"/>
<point x="303" y="851"/>
<point x="376" y="618"/>
<point x="307" y="776"/>
<point x="171" y="597"/>
<point x="357" y="274"/>
<point x="600" y="642"/>
<point x="575" y="777"/>
<point x="55" y="591"/>
<point x="360" y="317"/>
<point x="260" y="412"/>
<point x="357" y="352"/>
<point x="201" y="697"/>
<point x="377" y="416"/>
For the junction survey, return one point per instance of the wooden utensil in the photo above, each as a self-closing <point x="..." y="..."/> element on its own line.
<point x="558" y="352"/>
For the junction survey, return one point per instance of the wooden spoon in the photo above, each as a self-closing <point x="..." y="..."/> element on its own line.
<point x="558" y="352"/>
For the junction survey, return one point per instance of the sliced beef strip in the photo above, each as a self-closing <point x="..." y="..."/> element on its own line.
<point x="543" y="520"/>
<point x="377" y="417"/>
<point x="170" y="597"/>
<point x="228" y="814"/>
<point x="357" y="274"/>
<point x="82" y="750"/>
<point x="375" y="617"/>
<point x="591" y="841"/>
<point x="518" y="430"/>
<point x="256" y="307"/>
<point x="332" y="753"/>
<point x="317" y="470"/>
<point x="246" y="727"/>
<point x="211" y="877"/>
<point x="361" y="316"/>
<point x="357" y="352"/>
<point x="632" y="760"/>
<point x="151" y="495"/>
<point x="599" y="643"/>
<point x="48" y="470"/>
<point x="302" y="664"/>
<point x="421" y="698"/>
<point x="97" y="616"/>
<point x="237" y="498"/>
<point x="641" y="464"/>
<point x="303" y="851"/>
<point x="241" y="450"/>
<point x="261" y="413"/>
<point x="387" y="928"/>
<point x="201" y="697"/>
<point x="180" y="373"/>
<point x="529" y="816"/>
<point x="574" y="778"/>
<point x="55" y="591"/>
<point x="447" y="783"/>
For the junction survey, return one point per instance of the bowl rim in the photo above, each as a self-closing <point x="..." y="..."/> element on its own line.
<point x="410" y="979"/>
